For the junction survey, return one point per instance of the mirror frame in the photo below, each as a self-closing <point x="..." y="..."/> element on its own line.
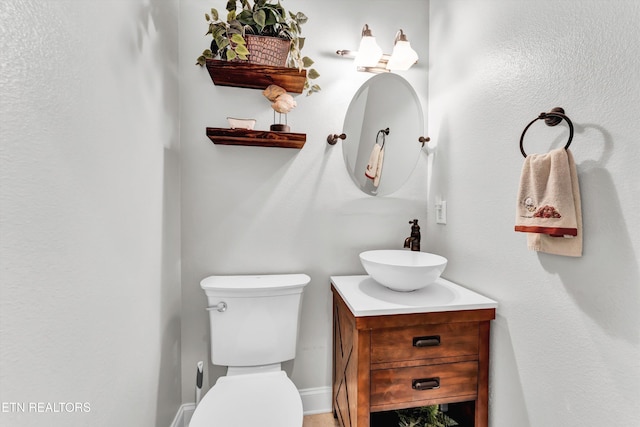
<point x="384" y="101"/>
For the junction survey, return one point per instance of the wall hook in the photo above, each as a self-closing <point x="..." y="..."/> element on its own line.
<point x="423" y="140"/>
<point x="333" y="138"/>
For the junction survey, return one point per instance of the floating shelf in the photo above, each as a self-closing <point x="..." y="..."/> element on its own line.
<point x="257" y="138"/>
<point x="255" y="76"/>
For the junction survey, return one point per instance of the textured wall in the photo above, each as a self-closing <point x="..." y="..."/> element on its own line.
<point x="269" y="210"/>
<point x="89" y="212"/>
<point x="89" y="199"/>
<point x="566" y="343"/>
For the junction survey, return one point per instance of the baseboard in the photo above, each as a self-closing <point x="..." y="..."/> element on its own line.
<point x="315" y="400"/>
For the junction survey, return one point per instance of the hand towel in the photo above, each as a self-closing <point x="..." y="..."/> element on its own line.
<point x="372" y="166"/>
<point x="376" y="180"/>
<point x="548" y="206"/>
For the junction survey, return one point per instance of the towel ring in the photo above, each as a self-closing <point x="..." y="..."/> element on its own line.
<point x="552" y="118"/>
<point x="382" y="132"/>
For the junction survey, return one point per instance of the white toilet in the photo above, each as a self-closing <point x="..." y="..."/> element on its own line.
<point x="254" y="327"/>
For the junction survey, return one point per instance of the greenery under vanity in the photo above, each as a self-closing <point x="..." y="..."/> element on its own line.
<point x="395" y="350"/>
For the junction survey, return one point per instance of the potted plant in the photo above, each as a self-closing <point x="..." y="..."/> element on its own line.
<point x="425" y="416"/>
<point x="233" y="36"/>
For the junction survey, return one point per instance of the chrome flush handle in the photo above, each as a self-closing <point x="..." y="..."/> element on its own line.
<point x="221" y="307"/>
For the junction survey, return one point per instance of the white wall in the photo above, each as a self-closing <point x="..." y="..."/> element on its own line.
<point x="89" y="212"/>
<point x="250" y="210"/>
<point x="566" y="343"/>
<point x="89" y="198"/>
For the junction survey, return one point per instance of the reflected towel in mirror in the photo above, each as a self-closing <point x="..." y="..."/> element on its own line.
<point x="374" y="167"/>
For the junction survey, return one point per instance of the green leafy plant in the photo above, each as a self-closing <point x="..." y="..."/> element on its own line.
<point x="262" y="18"/>
<point x="424" y="416"/>
<point x="228" y="38"/>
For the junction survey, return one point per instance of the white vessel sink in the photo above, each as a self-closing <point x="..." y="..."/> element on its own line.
<point x="403" y="270"/>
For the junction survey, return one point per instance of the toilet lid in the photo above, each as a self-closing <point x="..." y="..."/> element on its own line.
<point x="267" y="399"/>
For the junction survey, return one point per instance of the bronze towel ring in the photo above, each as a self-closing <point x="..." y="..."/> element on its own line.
<point x="382" y="132"/>
<point x="552" y="118"/>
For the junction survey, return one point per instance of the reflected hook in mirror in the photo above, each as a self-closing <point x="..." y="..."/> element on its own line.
<point x="333" y="138"/>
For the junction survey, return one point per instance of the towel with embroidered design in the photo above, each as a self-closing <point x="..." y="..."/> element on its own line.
<point x="548" y="207"/>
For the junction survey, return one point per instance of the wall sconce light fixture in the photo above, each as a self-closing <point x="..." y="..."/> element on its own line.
<point x="370" y="57"/>
<point x="369" y="53"/>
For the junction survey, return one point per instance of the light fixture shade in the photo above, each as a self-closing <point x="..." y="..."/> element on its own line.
<point x="402" y="57"/>
<point x="369" y="53"/>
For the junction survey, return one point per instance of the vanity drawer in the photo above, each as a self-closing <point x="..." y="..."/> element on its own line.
<point x="401" y="385"/>
<point x="424" y="342"/>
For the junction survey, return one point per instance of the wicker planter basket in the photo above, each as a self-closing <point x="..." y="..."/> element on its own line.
<point x="267" y="50"/>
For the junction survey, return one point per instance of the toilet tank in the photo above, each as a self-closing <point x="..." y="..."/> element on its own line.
<point x="254" y="319"/>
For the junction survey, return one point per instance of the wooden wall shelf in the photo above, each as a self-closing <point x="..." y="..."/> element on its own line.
<point x="257" y="138"/>
<point x="255" y="76"/>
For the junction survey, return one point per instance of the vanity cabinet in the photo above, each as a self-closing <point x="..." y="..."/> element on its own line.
<point x="386" y="356"/>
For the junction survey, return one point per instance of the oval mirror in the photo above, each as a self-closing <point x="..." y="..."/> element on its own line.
<point x="385" y="101"/>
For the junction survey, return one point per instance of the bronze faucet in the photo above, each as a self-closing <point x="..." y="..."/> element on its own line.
<point x="414" y="240"/>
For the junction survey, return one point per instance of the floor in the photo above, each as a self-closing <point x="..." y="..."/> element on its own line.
<point x="320" y="420"/>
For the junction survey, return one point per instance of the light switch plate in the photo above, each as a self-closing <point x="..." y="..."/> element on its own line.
<point x="441" y="212"/>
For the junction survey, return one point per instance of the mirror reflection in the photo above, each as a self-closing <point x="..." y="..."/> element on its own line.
<point x="383" y="124"/>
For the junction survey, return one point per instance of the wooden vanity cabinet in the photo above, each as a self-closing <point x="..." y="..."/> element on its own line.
<point x="398" y="361"/>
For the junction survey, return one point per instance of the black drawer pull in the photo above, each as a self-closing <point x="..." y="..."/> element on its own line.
<point x="430" y="341"/>
<point x="426" y="384"/>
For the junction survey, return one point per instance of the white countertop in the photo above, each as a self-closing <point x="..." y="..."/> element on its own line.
<point x="366" y="297"/>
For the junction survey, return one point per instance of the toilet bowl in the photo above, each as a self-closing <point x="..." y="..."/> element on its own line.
<point x="254" y="327"/>
<point x="268" y="399"/>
